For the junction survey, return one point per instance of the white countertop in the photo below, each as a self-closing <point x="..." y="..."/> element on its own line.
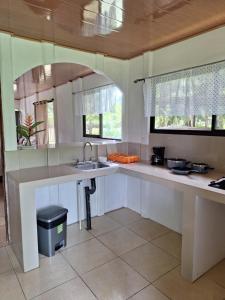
<point x="62" y="173"/>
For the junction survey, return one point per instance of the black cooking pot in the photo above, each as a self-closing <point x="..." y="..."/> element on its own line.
<point x="176" y="163"/>
<point x="200" y="167"/>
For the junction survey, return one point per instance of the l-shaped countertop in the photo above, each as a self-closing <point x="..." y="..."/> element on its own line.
<point x="48" y="175"/>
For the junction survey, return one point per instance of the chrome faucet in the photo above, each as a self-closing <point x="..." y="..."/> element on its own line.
<point x="84" y="147"/>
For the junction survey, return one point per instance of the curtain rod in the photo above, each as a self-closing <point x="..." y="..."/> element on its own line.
<point x="73" y="93"/>
<point x="43" y="102"/>
<point x="172" y="72"/>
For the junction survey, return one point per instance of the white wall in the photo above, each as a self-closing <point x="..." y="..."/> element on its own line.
<point x="206" y="149"/>
<point x="68" y="125"/>
<point x="19" y="55"/>
<point x="202" y="49"/>
<point x="64" y="113"/>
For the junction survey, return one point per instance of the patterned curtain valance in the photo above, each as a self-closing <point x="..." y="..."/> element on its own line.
<point x="98" y="100"/>
<point x="194" y="91"/>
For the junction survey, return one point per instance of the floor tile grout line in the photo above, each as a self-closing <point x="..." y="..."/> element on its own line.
<point x="138" y="291"/>
<point x="111" y="259"/>
<point x="122" y="227"/>
<point x="158" y="278"/>
<point x="25" y="297"/>
<point x="139" y="272"/>
<point x="123" y="223"/>
<point x="170" y="254"/>
<point x="32" y="298"/>
<point x="115" y="258"/>
<point x="14" y="270"/>
<point x="143" y="276"/>
<point x="151" y="245"/>
<point x="162" y="292"/>
<point x="150" y="241"/>
<point x="69" y="247"/>
<point x="161" y="235"/>
<point x="46" y="291"/>
<point x="118" y="255"/>
<point x="88" y="287"/>
<point x="80" y="276"/>
<point x="119" y="227"/>
<point x="214" y="281"/>
<point x="147" y="241"/>
<point x="17" y="278"/>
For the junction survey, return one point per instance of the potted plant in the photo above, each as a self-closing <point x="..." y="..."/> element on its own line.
<point x="28" y="129"/>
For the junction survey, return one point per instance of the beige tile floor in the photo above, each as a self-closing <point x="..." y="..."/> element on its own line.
<point x="123" y="257"/>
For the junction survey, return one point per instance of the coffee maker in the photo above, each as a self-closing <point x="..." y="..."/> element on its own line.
<point x="158" y="156"/>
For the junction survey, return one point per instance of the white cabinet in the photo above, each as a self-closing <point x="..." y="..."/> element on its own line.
<point x="162" y="204"/>
<point x="133" y="194"/>
<point x="114" y="191"/>
<point x="154" y="201"/>
<point x="64" y="195"/>
<point x="151" y="200"/>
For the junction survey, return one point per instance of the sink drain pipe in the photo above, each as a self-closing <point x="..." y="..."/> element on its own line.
<point x="88" y="192"/>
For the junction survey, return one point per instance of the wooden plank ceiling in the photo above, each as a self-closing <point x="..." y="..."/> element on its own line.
<point x="42" y="78"/>
<point x="145" y="24"/>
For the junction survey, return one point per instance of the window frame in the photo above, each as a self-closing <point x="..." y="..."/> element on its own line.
<point x="212" y="132"/>
<point x="98" y="136"/>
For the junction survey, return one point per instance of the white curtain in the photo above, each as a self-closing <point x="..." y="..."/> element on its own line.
<point x="196" y="91"/>
<point x="98" y="100"/>
<point x="41" y="114"/>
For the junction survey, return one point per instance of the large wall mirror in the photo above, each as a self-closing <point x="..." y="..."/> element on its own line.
<point x="66" y="103"/>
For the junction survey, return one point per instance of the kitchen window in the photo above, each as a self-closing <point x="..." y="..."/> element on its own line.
<point x="195" y="125"/>
<point x="101" y="109"/>
<point x="104" y="126"/>
<point x="190" y="101"/>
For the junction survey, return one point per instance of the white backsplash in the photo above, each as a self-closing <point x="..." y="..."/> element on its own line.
<point x="21" y="159"/>
<point x="207" y="149"/>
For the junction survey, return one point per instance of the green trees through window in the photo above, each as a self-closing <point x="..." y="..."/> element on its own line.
<point x="205" y="125"/>
<point x="107" y="125"/>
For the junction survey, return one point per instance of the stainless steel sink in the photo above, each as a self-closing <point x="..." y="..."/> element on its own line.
<point x="89" y="165"/>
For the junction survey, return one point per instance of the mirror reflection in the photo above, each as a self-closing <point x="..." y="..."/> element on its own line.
<point x="66" y="103"/>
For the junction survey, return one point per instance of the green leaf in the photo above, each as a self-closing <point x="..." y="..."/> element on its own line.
<point x="37" y="124"/>
<point x="35" y="132"/>
<point x="23" y="132"/>
<point x="22" y="127"/>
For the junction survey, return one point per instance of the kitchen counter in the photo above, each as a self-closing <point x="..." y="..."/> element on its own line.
<point x="54" y="174"/>
<point x="203" y="218"/>
<point x="162" y="174"/>
<point x="51" y="174"/>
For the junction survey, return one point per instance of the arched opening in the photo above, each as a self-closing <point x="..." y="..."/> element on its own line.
<point x="65" y="103"/>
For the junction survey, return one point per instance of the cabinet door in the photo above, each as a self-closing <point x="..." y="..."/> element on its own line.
<point x="68" y="199"/>
<point x="64" y="195"/>
<point x="133" y="195"/>
<point x="161" y="204"/>
<point x="115" y="191"/>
